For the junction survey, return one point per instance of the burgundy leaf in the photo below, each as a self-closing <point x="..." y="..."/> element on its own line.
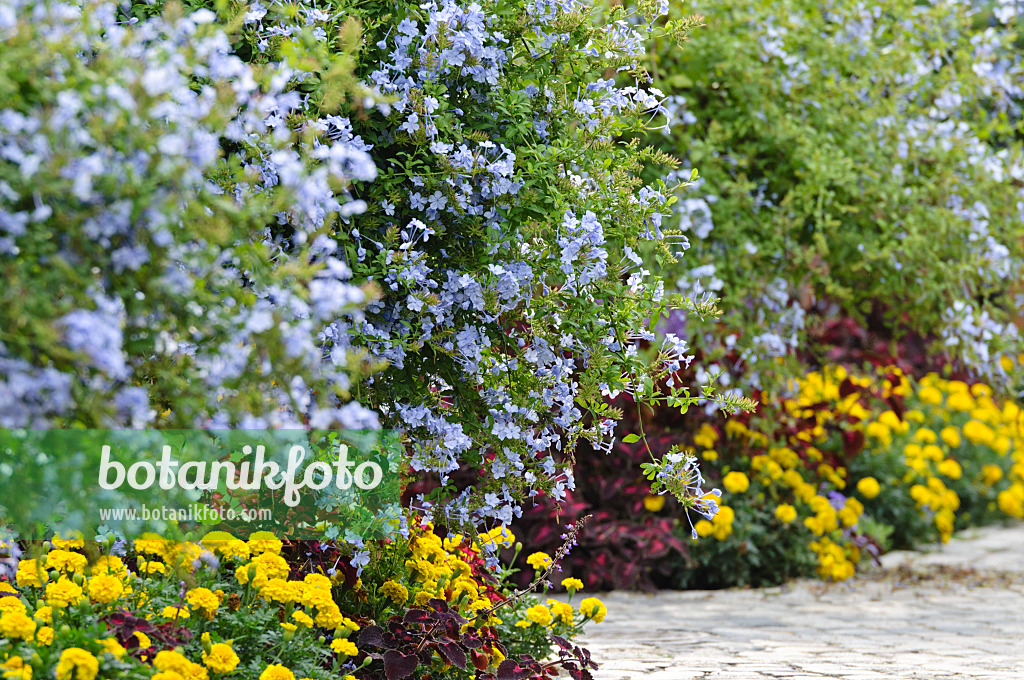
<point x="398" y="665"/>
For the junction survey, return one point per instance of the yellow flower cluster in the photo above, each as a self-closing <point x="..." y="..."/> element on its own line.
<point x="438" y="570"/>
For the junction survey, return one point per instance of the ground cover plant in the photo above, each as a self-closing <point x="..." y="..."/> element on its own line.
<point x="818" y="482"/>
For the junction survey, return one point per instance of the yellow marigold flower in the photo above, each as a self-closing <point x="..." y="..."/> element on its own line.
<point x="264" y="544"/>
<point x="960" y="401"/>
<point x="709" y="455"/>
<point x="869" y="487"/>
<point x="105" y="588"/>
<point x="930" y="395"/>
<point x="990" y="474"/>
<point x="815" y="525"/>
<point x="167" y="675"/>
<point x="63" y="593"/>
<point x="848" y="517"/>
<point x="277" y="672"/>
<point x="44" y="636"/>
<point x="539" y="560"/>
<point x="704" y="528"/>
<point x="1011" y="501"/>
<point x="66" y="561"/>
<point x="233" y="550"/>
<point x="343" y="646"/>
<point x="706" y="436"/>
<point x="303" y="619"/>
<point x="172" y="662"/>
<point x="175" y="613"/>
<point x="67" y="543"/>
<point x="978" y="432"/>
<point x="204" y="599"/>
<point x="110" y="564"/>
<point x="736" y="482"/>
<point x="523" y="624"/>
<point x="329" y="616"/>
<point x="539" y="614"/>
<point x="17" y="626"/>
<point x="151" y="546"/>
<point x="572" y="584"/>
<point x="144" y="641"/>
<point x="112" y="647"/>
<point x="221" y="658"/>
<point x="10" y="603"/>
<point x="654" y="503"/>
<point x="44" y="615"/>
<point x="151" y="567"/>
<point x="15" y="669"/>
<point x="785" y="513"/>
<point x="277" y="590"/>
<point x="593" y="608"/>
<point x="398" y="593"/>
<point x="951" y="436"/>
<point x="76" y="663"/>
<point x="497" y="537"/>
<point x="289" y="627"/>
<point x="272" y="564"/>
<point x="880" y="432"/>
<point x="926" y="436"/>
<point x="561" y="611"/>
<point x="950" y="468"/>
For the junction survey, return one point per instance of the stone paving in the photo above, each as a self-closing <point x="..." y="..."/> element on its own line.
<point x="951" y="614"/>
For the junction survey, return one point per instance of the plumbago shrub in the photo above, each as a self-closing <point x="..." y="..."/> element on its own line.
<point x="816" y="483"/>
<point x="144" y="283"/>
<point x="502" y="231"/>
<point x="78" y="610"/>
<point x="858" y="159"/>
<point x="416" y="216"/>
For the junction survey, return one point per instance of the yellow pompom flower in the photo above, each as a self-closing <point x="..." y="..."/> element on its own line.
<point x="869" y="487"/>
<point x="63" y="593"/>
<point x="654" y="503"/>
<point x="539" y="614"/>
<point x="561" y="611"/>
<point x="736" y="482"/>
<point x="950" y="468"/>
<point x="44" y="636"/>
<point x="572" y="584"/>
<point x="990" y="474"/>
<point x="203" y="599"/>
<point x="144" y="641"/>
<point x="15" y="669"/>
<point x="172" y="662"/>
<point x="594" y="609"/>
<point x="785" y="513"/>
<point x="398" y="593"/>
<point x="17" y="626"/>
<point x="175" y="613"/>
<point x="342" y="646"/>
<point x="76" y="663"/>
<point x="539" y="560"/>
<point x="221" y="658"/>
<point x="951" y="436"/>
<point x="704" y="528"/>
<point x="31" y="574"/>
<point x="105" y="588"/>
<point x="112" y="647"/>
<point x="277" y="672"/>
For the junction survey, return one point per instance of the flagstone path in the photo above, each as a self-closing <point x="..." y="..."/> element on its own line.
<point x="956" y="613"/>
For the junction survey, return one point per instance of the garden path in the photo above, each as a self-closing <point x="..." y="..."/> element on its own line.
<point x="956" y="613"/>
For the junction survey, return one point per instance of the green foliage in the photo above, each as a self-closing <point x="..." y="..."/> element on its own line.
<point x="858" y="159"/>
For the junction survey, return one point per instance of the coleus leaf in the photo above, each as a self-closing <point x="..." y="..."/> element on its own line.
<point x="398" y="665"/>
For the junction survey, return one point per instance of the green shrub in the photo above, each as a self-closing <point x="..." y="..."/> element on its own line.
<point x="858" y="160"/>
